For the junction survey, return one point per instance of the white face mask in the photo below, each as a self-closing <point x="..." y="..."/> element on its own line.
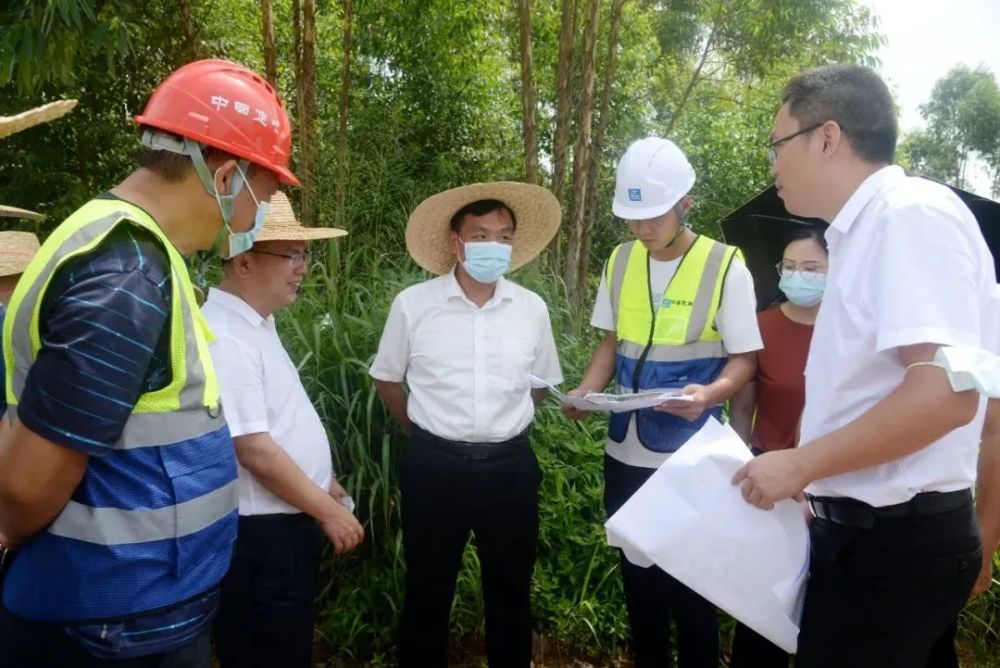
<point x="968" y="368"/>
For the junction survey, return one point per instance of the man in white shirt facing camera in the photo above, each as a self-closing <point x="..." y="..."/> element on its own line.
<point x="289" y="497"/>
<point x="466" y="343"/>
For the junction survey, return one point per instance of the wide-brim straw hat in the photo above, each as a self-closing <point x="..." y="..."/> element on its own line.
<point x="280" y="224"/>
<point x="13" y="124"/>
<point x="536" y="209"/>
<point x="16" y="251"/>
<point x="43" y="114"/>
<point x="14" y="212"/>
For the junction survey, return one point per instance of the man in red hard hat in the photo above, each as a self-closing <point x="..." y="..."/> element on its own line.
<point x="118" y="497"/>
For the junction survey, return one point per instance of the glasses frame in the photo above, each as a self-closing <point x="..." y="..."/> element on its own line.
<point x="772" y="149"/>
<point x="779" y="267"/>
<point x="295" y="260"/>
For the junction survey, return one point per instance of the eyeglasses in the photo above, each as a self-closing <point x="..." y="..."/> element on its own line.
<point x="809" y="270"/>
<point x="772" y="150"/>
<point x="295" y="260"/>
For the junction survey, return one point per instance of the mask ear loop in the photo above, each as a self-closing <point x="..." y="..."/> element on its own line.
<point x="916" y="364"/>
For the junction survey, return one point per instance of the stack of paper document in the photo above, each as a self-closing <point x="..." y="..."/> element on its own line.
<point x="689" y="520"/>
<point x="616" y="403"/>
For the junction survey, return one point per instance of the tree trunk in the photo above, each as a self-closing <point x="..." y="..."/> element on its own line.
<point x="267" y="32"/>
<point x="297" y="45"/>
<point x="597" y="148"/>
<point x="307" y="113"/>
<point x="345" y="89"/>
<point x="188" y="29"/>
<point x="528" y="95"/>
<point x="567" y="32"/>
<point x="571" y="274"/>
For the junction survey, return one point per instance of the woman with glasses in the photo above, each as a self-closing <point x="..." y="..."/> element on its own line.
<point x="766" y="411"/>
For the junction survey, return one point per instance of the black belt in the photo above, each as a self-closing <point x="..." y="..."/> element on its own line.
<point x="470" y="450"/>
<point x="853" y="513"/>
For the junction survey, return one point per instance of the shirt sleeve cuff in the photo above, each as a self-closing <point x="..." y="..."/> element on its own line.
<point x="551" y="380"/>
<point x="919" y="335"/>
<point x="246" y="428"/>
<point x="385" y="375"/>
<point x="64" y="438"/>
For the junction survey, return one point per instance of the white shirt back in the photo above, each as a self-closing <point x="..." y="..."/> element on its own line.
<point x="908" y="265"/>
<point x="467" y="367"/>
<point x="262" y="392"/>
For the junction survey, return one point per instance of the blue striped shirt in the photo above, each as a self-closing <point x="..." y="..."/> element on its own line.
<point x="105" y="341"/>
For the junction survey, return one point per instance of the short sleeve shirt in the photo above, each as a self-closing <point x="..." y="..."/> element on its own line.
<point x="468" y="368"/>
<point x="105" y="341"/>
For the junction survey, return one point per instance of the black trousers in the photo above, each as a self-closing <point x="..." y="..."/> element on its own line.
<point x="25" y="644"/>
<point x="752" y="650"/>
<point x="653" y="599"/>
<point x="882" y="597"/>
<point x="266" y="612"/>
<point x="445" y="496"/>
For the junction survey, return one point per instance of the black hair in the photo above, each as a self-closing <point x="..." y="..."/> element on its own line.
<point x="813" y="232"/>
<point x="855" y="98"/>
<point x="173" y="167"/>
<point x="480" y="207"/>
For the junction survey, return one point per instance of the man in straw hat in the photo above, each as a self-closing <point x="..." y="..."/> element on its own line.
<point x="466" y="343"/>
<point x="678" y="311"/>
<point x="289" y="496"/>
<point x="118" y="476"/>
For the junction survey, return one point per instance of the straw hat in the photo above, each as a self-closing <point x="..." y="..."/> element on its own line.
<point x="536" y="209"/>
<point x="280" y="224"/>
<point x="14" y="212"/>
<point x="12" y="124"/>
<point x="16" y="251"/>
<point x="47" y="112"/>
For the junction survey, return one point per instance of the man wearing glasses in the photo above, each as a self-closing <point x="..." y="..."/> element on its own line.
<point x="887" y="453"/>
<point x="288" y="494"/>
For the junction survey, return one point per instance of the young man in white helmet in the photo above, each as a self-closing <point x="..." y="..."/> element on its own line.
<point x="678" y="311"/>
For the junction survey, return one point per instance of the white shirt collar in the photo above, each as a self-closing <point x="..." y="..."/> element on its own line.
<point x="870" y="187"/>
<point x="452" y="290"/>
<point x="236" y="304"/>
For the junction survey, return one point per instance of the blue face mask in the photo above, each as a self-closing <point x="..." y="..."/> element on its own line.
<point x="487" y="261"/>
<point x="238" y="242"/>
<point x="803" y="289"/>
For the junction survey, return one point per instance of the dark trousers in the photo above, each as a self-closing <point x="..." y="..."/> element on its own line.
<point x="882" y="597"/>
<point x="653" y="599"/>
<point x="445" y="496"/>
<point x="752" y="650"/>
<point x="266" y="611"/>
<point x="25" y="644"/>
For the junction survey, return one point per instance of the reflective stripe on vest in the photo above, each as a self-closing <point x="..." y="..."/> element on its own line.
<point x="669" y="347"/>
<point x="159" y="511"/>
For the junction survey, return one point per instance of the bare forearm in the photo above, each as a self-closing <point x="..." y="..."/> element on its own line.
<point x="601" y="369"/>
<point x="741" y="408"/>
<point x="988" y="490"/>
<point x="395" y="397"/>
<point x="738" y="371"/>
<point x="37" y="478"/>
<point x="273" y="468"/>
<point x="918" y="412"/>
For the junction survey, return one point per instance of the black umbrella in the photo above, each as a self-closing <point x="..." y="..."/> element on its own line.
<point x="762" y="228"/>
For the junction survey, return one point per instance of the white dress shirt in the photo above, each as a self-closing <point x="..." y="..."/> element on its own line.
<point x="262" y="392"/>
<point x="908" y="265"/>
<point x="736" y="321"/>
<point x="467" y="367"/>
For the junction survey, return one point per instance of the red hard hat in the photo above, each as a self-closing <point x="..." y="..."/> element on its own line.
<point x="225" y="105"/>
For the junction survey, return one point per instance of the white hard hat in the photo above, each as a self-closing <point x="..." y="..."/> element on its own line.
<point x="651" y="178"/>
